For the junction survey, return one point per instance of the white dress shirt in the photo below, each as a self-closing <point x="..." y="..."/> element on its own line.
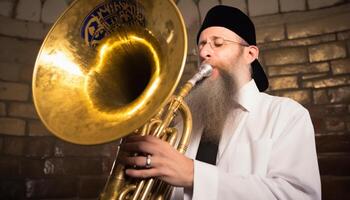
<point x="267" y="151"/>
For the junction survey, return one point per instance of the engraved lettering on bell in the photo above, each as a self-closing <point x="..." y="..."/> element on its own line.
<point x="108" y="17"/>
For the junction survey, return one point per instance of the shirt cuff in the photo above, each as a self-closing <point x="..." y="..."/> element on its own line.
<point x="205" y="181"/>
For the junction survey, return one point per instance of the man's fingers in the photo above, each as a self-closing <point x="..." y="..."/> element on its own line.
<point x="138" y="147"/>
<point x="142" y="173"/>
<point x="138" y="138"/>
<point x="144" y="144"/>
<point x="139" y="161"/>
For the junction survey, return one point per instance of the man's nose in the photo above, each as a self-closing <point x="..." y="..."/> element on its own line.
<point x="206" y="51"/>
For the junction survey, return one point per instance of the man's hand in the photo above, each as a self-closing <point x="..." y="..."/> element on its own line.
<point x="167" y="163"/>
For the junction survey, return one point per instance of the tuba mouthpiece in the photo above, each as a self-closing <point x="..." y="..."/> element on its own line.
<point x="205" y="70"/>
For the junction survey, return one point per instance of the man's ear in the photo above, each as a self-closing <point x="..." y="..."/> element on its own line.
<point x="253" y="53"/>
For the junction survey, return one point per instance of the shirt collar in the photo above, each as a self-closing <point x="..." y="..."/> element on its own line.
<point x="247" y="95"/>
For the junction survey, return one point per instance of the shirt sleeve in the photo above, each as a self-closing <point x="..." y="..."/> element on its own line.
<point x="292" y="171"/>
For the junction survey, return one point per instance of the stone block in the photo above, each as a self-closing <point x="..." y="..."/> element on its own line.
<point x="107" y="164"/>
<point x="32" y="167"/>
<point x="61" y="187"/>
<point x="321" y="97"/>
<point x="49" y="167"/>
<point x="56" y="166"/>
<point x="37" y="128"/>
<point x="11" y="126"/>
<point x="40" y="147"/>
<point x="341" y="66"/>
<point x="314" y="4"/>
<point x="14" y="146"/>
<point x="240" y="4"/>
<point x="23" y="29"/>
<point x="327" y="82"/>
<point x="190" y="69"/>
<point x="285" y="56"/>
<point x="333" y="143"/>
<point x="298" y="42"/>
<point x="9" y="71"/>
<point x="328" y="110"/>
<point x="296" y="5"/>
<point x="335" y="109"/>
<point x="73" y="166"/>
<point x="335" y="124"/>
<point x="318" y="26"/>
<point x="90" y="166"/>
<point x="26" y="74"/>
<point x="68" y="149"/>
<point x="18" y="51"/>
<point x="14" y="91"/>
<point x="26" y="110"/>
<point x="52" y="9"/>
<point x="28" y="10"/>
<point x="204" y="7"/>
<point x="6" y="8"/>
<point x="343" y="35"/>
<point x="286" y="82"/>
<point x="328" y="51"/>
<point x="9" y="167"/>
<point x="257" y="7"/>
<point x="191" y="15"/>
<point x="262" y="61"/>
<point x="91" y="187"/>
<point x="189" y="11"/>
<point x="2" y="109"/>
<point x="335" y="187"/>
<point x="319" y="124"/>
<point x="302" y="96"/>
<point x="298" y="69"/>
<point x="269" y="33"/>
<point x="339" y="95"/>
<point x="12" y="188"/>
<point x="335" y="164"/>
<point x="313" y="76"/>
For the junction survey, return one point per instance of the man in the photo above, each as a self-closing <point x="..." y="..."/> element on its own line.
<point x="266" y="147"/>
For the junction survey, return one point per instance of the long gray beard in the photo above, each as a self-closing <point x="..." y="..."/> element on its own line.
<point x="210" y="102"/>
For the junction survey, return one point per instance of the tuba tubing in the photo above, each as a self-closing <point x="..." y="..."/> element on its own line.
<point x="97" y="78"/>
<point x="121" y="187"/>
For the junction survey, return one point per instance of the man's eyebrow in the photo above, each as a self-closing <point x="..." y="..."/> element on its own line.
<point x="213" y="36"/>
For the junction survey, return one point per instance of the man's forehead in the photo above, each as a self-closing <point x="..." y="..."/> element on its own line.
<point x="219" y="32"/>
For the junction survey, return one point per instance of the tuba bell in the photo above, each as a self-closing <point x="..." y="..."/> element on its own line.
<point x="108" y="68"/>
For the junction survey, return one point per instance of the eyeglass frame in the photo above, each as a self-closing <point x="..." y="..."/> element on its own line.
<point x="213" y="38"/>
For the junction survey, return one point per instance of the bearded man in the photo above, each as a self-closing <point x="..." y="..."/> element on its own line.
<point x="245" y="144"/>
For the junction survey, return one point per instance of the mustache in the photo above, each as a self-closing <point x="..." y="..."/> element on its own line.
<point x="225" y="75"/>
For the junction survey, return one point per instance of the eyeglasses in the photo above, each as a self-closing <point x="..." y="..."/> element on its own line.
<point x="217" y="42"/>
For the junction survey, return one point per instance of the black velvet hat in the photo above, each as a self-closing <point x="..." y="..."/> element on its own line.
<point x="238" y="22"/>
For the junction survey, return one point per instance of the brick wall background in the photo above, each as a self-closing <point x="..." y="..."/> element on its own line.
<point x="305" y="48"/>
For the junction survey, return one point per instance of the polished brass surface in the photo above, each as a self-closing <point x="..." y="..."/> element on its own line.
<point x="122" y="187"/>
<point x="89" y="92"/>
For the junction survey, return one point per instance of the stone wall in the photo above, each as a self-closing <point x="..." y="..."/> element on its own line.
<point x="305" y="48"/>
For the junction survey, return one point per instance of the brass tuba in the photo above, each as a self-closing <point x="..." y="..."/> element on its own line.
<point x="108" y="68"/>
